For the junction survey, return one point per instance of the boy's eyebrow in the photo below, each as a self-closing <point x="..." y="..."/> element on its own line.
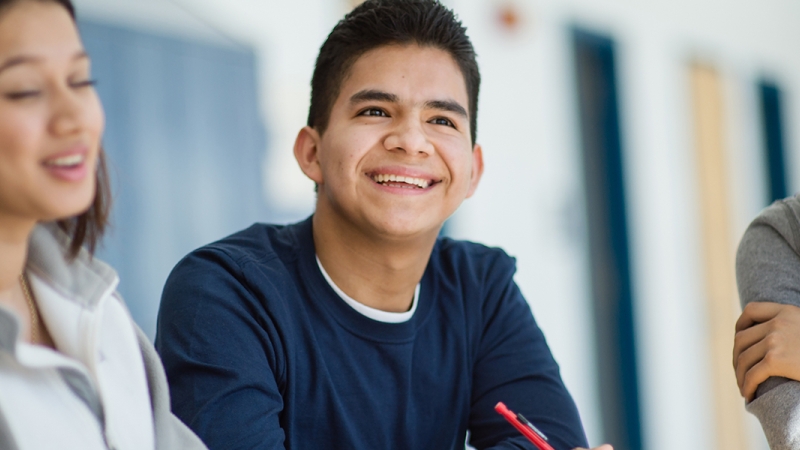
<point x="447" y="105"/>
<point x="23" y="59"/>
<point x="373" y="95"/>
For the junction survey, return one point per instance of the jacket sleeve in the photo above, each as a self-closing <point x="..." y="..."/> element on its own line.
<point x="768" y="270"/>
<point x="514" y="365"/>
<point x="217" y="345"/>
<point x="171" y="433"/>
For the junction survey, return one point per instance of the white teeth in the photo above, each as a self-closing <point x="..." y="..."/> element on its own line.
<point x="386" y="178"/>
<point x="66" y="161"/>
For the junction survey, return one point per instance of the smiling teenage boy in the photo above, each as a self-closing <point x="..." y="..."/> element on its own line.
<point x="360" y="328"/>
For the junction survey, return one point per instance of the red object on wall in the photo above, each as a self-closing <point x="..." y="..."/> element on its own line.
<point x="509" y="16"/>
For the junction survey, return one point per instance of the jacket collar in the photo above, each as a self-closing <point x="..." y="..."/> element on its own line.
<point x="84" y="280"/>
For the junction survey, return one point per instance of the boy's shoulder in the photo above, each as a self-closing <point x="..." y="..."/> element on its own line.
<point x="261" y="242"/>
<point x="460" y="258"/>
<point x="259" y="245"/>
<point x="467" y="249"/>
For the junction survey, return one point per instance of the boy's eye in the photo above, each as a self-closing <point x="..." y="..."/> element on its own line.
<point x="373" y="112"/>
<point x="443" y="121"/>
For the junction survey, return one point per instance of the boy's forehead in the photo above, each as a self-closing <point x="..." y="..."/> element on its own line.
<point x="415" y="70"/>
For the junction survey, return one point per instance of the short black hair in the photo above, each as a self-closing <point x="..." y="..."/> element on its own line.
<point x="377" y="23"/>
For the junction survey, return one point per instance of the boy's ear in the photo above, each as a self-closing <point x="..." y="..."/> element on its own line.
<point x="306" y="147"/>
<point x="477" y="169"/>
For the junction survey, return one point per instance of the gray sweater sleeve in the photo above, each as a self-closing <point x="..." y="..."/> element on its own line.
<point x="768" y="269"/>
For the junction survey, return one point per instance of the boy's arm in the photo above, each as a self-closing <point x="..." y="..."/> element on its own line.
<point x="218" y="348"/>
<point x="514" y="365"/>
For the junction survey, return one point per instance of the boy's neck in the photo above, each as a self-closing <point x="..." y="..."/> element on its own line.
<point x="376" y="272"/>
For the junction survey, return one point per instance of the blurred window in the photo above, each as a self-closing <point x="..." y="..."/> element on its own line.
<point x="185" y="142"/>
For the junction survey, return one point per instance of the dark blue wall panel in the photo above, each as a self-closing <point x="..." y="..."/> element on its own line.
<point x="774" y="150"/>
<point x="608" y="238"/>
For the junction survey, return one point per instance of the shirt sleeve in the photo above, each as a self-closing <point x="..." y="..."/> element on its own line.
<point x="221" y="354"/>
<point x="514" y="365"/>
<point x="768" y="269"/>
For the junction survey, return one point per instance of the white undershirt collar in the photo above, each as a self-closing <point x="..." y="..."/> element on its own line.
<point x="372" y="313"/>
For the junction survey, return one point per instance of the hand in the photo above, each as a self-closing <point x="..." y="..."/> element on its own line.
<point x="767" y="344"/>
<point x="602" y="447"/>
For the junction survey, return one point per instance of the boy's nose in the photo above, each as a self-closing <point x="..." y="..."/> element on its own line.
<point x="409" y="137"/>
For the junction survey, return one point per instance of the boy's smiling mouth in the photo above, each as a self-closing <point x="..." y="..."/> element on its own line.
<point x="400" y="181"/>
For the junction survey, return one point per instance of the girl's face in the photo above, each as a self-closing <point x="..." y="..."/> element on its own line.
<point x="51" y="120"/>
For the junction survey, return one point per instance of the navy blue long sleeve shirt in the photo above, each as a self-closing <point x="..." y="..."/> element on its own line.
<point x="260" y="352"/>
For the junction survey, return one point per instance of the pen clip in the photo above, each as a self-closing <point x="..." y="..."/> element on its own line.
<point x="527" y="423"/>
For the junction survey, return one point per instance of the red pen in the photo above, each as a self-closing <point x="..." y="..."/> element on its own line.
<point x="524" y="426"/>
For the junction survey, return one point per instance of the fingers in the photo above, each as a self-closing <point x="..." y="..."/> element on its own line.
<point x="747" y="361"/>
<point x="767" y="343"/>
<point x="602" y="447"/>
<point x="755" y="376"/>
<point x="747" y="338"/>
<point x="758" y="312"/>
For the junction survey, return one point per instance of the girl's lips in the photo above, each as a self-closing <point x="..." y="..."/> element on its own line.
<point x="68" y="166"/>
<point x="69" y="173"/>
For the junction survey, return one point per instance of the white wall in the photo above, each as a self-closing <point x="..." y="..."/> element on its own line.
<point x="531" y="199"/>
<point x="526" y="120"/>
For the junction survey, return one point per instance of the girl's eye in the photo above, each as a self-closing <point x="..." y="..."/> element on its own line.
<point x="374" y="112"/>
<point x="32" y="93"/>
<point x="83" y="83"/>
<point x="20" y="95"/>
<point x="443" y="121"/>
